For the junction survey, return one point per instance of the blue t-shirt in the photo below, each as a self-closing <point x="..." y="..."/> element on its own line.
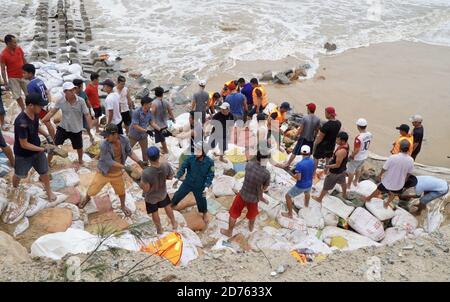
<point x="142" y="119"/>
<point x="247" y="90"/>
<point x="36" y="85"/>
<point x="236" y="101"/>
<point x="306" y="168"/>
<point x="430" y="184"/>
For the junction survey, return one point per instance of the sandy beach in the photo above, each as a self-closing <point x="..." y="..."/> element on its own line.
<point x="385" y="83"/>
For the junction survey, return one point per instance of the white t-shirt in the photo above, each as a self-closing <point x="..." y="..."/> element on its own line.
<point x="123" y="99"/>
<point x="363" y="141"/>
<point x="397" y="167"/>
<point x="112" y="103"/>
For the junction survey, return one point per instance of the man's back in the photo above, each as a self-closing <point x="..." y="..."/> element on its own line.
<point x="397" y="167"/>
<point x="256" y="177"/>
<point x="201" y="99"/>
<point x="112" y="103"/>
<point x="310" y="123"/>
<point x="236" y="101"/>
<point x="161" y="115"/>
<point x="36" y="85"/>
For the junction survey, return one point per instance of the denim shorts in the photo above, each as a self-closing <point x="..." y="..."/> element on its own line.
<point x="295" y="191"/>
<point x="37" y="161"/>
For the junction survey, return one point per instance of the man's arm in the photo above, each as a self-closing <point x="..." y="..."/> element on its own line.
<point x="299" y="131"/>
<point x="49" y="115"/>
<point x="43" y="132"/>
<point x="88" y="120"/>
<point x="27" y="146"/>
<point x="110" y="116"/>
<point x="193" y="104"/>
<point x="169" y="109"/>
<point x="245" y="104"/>
<point x="130" y="101"/>
<point x="356" y="149"/>
<point x="298" y="176"/>
<point x="183" y="168"/>
<point x="209" y="176"/>
<point x="5" y="79"/>
<point x="319" y="139"/>
<point x="134" y="157"/>
<point x="145" y="186"/>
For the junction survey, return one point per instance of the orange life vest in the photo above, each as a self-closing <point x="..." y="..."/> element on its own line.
<point x="396" y="148"/>
<point x="256" y="100"/>
<point x="281" y="117"/>
<point x="169" y="247"/>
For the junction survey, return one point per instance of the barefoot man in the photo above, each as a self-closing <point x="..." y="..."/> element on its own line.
<point x="153" y="183"/>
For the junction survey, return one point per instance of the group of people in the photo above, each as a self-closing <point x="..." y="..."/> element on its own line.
<point x="236" y="104"/>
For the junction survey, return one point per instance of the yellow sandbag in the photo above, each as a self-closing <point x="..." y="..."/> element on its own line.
<point x="239" y="175"/>
<point x="235" y="155"/>
<point x="279" y="156"/>
<point x="339" y="242"/>
<point x="169" y="247"/>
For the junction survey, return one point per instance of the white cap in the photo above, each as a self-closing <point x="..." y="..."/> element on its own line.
<point x="305" y="149"/>
<point x="416" y="118"/>
<point x="225" y="106"/>
<point x="68" y="86"/>
<point x="361" y="122"/>
<point x="202" y="83"/>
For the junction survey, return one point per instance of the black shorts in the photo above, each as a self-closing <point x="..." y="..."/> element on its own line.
<point x="410" y="182"/>
<point x="159" y="137"/>
<point x="126" y="118"/>
<point x="322" y="152"/>
<point x="301" y="142"/>
<point x="75" y="138"/>
<point x="152" y="208"/>
<point x="98" y="112"/>
<point x="119" y="128"/>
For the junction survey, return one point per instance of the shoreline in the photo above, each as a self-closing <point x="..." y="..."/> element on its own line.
<point x="386" y="83"/>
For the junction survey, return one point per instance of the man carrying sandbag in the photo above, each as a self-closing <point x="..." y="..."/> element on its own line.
<point x="199" y="170"/>
<point x="256" y="181"/>
<point x="114" y="151"/>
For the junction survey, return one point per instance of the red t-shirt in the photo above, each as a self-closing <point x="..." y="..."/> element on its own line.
<point x="92" y="93"/>
<point x="13" y="61"/>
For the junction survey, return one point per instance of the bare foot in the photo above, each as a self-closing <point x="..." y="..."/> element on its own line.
<point x="225" y="232"/>
<point x="206" y="220"/>
<point x="126" y="211"/>
<point x="317" y="199"/>
<point x="287" y="215"/>
<point x="159" y="230"/>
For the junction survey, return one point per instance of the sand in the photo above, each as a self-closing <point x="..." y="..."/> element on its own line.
<point x="384" y="83"/>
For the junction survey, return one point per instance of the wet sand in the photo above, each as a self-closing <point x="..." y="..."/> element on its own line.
<point x="384" y="83"/>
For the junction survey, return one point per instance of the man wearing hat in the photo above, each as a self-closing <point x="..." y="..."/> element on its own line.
<point x="222" y="121"/>
<point x="153" y="183"/>
<point x="112" y="105"/>
<point x="395" y="173"/>
<point x="199" y="170"/>
<point x="416" y="120"/>
<point x="73" y="110"/>
<point x="309" y="126"/>
<point x="360" y="153"/>
<point x="200" y="101"/>
<point x="404" y="135"/>
<point x="114" y="151"/>
<point x="304" y="173"/>
<point x="27" y="144"/>
<point x="326" y="138"/>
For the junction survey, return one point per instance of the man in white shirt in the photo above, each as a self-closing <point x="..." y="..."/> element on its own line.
<point x="395" y="173"/>
<point x="126" y="103"/>
<point x="360" y="153"/>
<point x="112" y="105"/>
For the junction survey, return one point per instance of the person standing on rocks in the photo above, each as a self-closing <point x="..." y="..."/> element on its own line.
<point x="307" y="132"/>
<point x="259" y="97"/>
<point x="395" y="174"/>
<point x="360" y="153"/>
<point x="126" y="103"/>
<point x="225" y="118"/>
<point x="94" y="99"/>
<point x="112" y="105"/>
<point x="199" y="170"/>
<point x="247" y="90"/>
<point x="337" y="168"/>
<point x="256" y="181"/>
<point x="12" y="59"/>
<point x="200" y="101"/>
<point x="161" y="110"/>
<point x="304" y="173"/>
<point x="36" y="85"/>
<point x="404" y="135"/>
<point x="139" y="123"/>
<point x="73" y="109"/>
<point x="153" y="183"/>
<point x="417" y="120"/>
<point x="238" y="107"/>
<point x="79" y="92"/>
<point x="428" y="188"/>
<point x="114" y="151"/>
<point x="326" y="138"/>
<point x="27" y="144"/>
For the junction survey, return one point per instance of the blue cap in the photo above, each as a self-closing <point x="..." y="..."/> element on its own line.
<point x="153" y="152"/>
<point x="286" y="106"/>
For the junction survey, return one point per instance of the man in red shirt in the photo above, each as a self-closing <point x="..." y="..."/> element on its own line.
<point x="92" y="93"/>
<point x="12" y="59"/>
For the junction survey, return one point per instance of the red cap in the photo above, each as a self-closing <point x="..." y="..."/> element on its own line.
<point x="232" y="86"/>
<point x="311" y="107"/>
<point x="330" y="110"/>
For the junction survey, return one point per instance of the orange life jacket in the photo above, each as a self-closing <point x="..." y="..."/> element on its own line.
<point x="281" y="117"/>
<point x="263" y="100"/>
<point x="409" y="138"/>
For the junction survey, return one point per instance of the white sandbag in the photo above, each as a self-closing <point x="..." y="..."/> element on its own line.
<point x="75" y="69"/>
<point x="69" y="177"/>
<point x="77" y="224"/>
<point x="190" y="243"/>
<point x="354" y="240"/>
<point x="337" y="206"/>
<point x="404" y="220"/>
<point x="223" y="186"/>
<point x="392" y="235"/>
<point x="19" y="201"/>
<point x="366" y="224"/>
<point x="329" y="218"/>
<point x="238" y="185"/>
<point x="3" y="204"/>
<point x="314" y="244"/>
<point x="312" y="217"/>
<point x="365" y="187"/>
<point x="299" y="202"/>
<point x="73" y="208"/>
<point x="434" y="217"/>
<point x="376" y="207"/>
<point x="36" y="205"/>
<point x="4" y="169"/>
<point x="261" y="240"/>
<point x="272" y="209"/>
<point x="295" y="223"/>
<point x="21" y="227"/>
<point x="60" y="198"/>
<point x="75" y="241"/>
<point x="73" y="157"/>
